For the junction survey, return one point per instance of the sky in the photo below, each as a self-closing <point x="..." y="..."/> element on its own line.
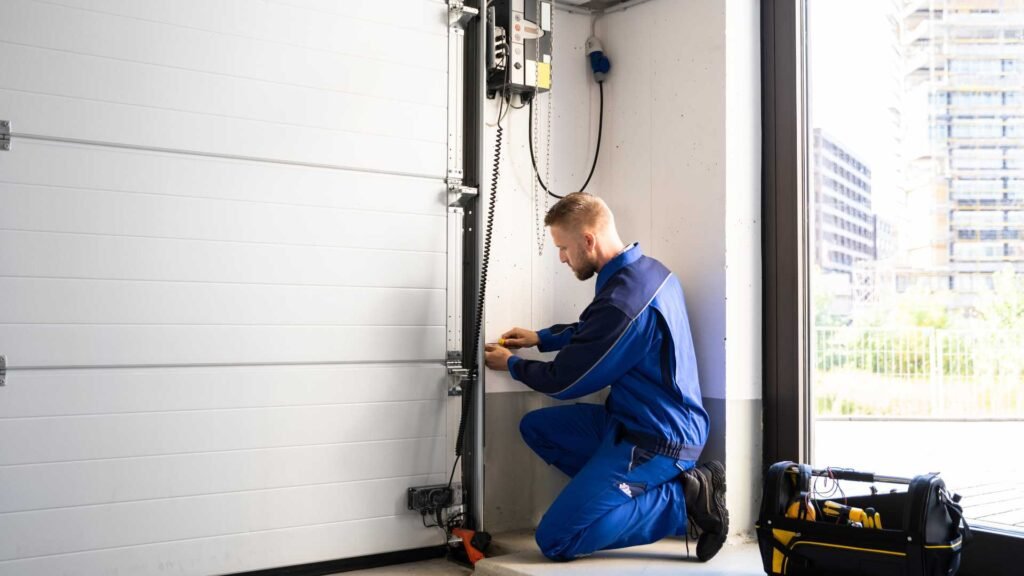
<point x="853" y="86"/>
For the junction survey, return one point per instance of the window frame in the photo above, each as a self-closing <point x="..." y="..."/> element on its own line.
<point x="784" y="234"/>
<point x="788" y="423"/>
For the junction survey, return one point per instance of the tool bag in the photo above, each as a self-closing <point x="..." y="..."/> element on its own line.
<point x="919" y="532"/>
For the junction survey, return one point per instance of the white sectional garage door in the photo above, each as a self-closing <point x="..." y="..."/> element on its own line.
<point x="222" y="281"/>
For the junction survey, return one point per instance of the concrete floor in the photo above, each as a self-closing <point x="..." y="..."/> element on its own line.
<point x="515" y="554"/>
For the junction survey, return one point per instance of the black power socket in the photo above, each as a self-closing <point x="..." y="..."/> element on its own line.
<point x="429" y="499"/>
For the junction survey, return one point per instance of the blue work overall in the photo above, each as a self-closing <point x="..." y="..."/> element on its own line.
<point x="625" y="457"/>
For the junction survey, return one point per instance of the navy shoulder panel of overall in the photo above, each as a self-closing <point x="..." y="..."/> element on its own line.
<point x="632" y="288"/>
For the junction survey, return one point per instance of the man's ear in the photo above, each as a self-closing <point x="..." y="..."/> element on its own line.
<point x="591" y="240"/>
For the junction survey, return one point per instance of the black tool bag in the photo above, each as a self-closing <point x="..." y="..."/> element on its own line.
<point x="922" y="533"/>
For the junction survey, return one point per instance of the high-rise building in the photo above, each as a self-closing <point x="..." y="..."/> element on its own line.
<point x="964" y="120"/>
<point x="844" y="226"/>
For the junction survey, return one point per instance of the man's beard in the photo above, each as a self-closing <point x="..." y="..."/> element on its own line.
<point x="585" y="273"/>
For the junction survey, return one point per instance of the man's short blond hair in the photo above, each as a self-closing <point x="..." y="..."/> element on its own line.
<point x="578" y="211"/>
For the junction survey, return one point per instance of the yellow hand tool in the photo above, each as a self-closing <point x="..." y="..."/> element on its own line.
<point x="800" y="510"/>
<point x="864" y="517"/>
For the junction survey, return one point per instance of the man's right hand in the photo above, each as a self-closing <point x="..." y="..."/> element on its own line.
<point x="517" y="338"/>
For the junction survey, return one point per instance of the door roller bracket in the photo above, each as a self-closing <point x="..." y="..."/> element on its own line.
<point x="457" y="373"/>
<point x="459" y="195"/>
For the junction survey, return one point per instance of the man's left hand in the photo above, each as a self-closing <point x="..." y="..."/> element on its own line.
<point x="496" y="357"/>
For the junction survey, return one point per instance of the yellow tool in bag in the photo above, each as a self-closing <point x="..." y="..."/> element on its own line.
<point x="848" y="515"/>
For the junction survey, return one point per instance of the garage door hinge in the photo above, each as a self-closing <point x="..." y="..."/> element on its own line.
<point x="3" y="370"/>
<point x="458" y="375"/>
<point x="5" y="135"/>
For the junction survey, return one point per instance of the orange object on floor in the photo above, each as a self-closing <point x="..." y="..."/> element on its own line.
<point x="473" y="542"/>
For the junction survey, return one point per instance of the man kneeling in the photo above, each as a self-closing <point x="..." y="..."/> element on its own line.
<point x="632" y="461"/>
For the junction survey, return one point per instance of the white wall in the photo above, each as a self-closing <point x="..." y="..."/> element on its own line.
<point x="530" y="289"/>
<point x="526" y="288"/>
<point x="680" y="168"/>
<point x="666" y="160"/>
<point x="744" y="433"/>
<point x="683" y="178"/>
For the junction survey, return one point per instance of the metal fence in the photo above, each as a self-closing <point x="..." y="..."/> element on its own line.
<point x="921" y="372"/>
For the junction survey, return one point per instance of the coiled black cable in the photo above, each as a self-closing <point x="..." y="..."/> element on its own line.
<point x="485" y="258"/>
<point x="597" y="150"/>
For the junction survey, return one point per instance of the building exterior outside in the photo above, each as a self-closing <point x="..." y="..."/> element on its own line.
<point x="844" y="221"/>
<point x="964" y="115"/>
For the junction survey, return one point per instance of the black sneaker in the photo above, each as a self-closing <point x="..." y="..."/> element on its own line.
<point x="708" y="510"/>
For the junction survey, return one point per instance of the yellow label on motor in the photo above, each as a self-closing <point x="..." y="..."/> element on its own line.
<point x="544" y="75"/>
